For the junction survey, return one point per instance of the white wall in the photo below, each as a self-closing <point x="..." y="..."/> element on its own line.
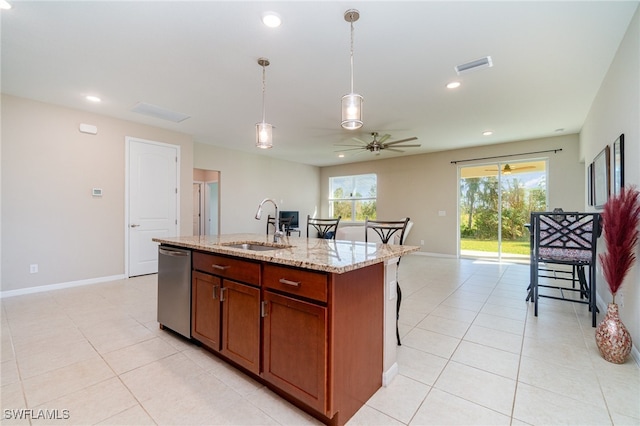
<point x="246" y="179"/>
<point x="420" y="186"/>
<point x="49" y="217"/>
<point x="616" y="110"/>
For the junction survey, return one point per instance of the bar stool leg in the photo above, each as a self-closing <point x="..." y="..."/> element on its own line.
<point x="399" y="301"/>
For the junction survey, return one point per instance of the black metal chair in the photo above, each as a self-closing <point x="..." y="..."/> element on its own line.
<point x="387" y="230"/>
<point x="285" y="224"/>
<point x="326" y="228"/>
<point x="568" y="239"/>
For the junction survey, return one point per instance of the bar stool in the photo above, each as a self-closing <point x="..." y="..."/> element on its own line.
<point x="387" y="230"/>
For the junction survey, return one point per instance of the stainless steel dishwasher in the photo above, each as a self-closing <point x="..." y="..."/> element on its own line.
<point x="174" y="289"/>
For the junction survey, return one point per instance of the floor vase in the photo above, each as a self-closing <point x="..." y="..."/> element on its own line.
<point x="612" y="337"/>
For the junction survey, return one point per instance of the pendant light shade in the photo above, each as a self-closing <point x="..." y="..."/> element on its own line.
<point x="264" y="130"/>
<point x="351" y="103"/>
<point x="352" y="111"/>
<point x="264" y="135"/>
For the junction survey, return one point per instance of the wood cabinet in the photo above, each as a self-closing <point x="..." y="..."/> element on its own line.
<point x="295" y="348"/>
<point x="226" y="312"/>
<point x="322" y="337"/>
<point x="205" y="309"/>
<point x="314" y="337"/>
<point x="241" y="324"/>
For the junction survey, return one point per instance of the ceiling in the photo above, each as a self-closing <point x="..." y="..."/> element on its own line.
<point x="200" y="58"/>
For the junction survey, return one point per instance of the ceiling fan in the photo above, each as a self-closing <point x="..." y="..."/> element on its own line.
<point x="507" y="169"/>
<point x="377" y="145"/>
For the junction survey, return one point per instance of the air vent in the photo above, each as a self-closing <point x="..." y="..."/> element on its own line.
<point x="485" y="62"/>
<point x="158" y="112"/>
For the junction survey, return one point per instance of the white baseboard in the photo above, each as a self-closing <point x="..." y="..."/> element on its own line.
<point x="43" y="288"/>
<point x="426" y="253"/>
<point x="388" y="376"/>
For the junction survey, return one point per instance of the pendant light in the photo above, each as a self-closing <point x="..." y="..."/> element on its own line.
<point x="264" y="130"/>
<point x="351" y="103"/>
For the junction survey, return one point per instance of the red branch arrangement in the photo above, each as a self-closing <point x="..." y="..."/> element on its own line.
<point x="620" y="218"/>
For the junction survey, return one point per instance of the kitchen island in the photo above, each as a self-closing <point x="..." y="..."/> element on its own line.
<point x="313" y="319"/>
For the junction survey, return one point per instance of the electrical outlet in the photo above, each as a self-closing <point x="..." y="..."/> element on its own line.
<point x="621" y="299"/>
<point x="421" y="242"/>
<point x="33" y="268"/>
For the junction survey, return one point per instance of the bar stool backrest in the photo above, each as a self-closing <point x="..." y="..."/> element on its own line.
<point x="284" y="222"/>
<point x="326" y="228"/>
<point x="386" y="229"/>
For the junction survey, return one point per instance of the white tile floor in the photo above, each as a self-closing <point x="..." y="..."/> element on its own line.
<point x="472" y="353"/>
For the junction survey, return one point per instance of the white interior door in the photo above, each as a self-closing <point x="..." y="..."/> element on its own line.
<point x="212" y="207"/>
<point x="152" y="201"/>
<point x="197" y="208"/>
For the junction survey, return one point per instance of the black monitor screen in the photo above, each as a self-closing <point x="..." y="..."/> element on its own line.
<point x="293" y="215"/>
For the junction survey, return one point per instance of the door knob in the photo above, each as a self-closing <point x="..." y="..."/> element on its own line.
<point x="134" y="225"/>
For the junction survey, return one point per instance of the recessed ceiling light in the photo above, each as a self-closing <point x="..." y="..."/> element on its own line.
<point x="453" y="85"/>
<point x="487" y="133"/>
<point x="271" y="19"/>
<point x="92" y="98"/>
<point x="340" y="155"/>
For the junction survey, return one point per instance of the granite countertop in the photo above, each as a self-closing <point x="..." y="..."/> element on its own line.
<point x="336" y="256"/>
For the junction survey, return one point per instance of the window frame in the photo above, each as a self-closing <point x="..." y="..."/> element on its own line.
<point x="355" y="200"/>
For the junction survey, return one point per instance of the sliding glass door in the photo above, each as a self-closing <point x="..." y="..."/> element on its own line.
<point x="494" y="207"/>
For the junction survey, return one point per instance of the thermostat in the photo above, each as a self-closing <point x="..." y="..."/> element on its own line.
<point x="96" y="192"/>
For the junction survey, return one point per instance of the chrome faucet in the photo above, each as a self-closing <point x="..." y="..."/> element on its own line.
<point x="278" y="233"/>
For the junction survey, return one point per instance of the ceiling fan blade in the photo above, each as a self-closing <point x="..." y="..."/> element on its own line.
<point x="394" y="150"/>
<point x="402" y="140"/>
<point x="522" y="168"/>
<point x="360" y="141"/>
<point x="351" y="149"/>
<point x="384" y="138"/>
<point x="405" y="146"/>
<point x="344" y="144"/>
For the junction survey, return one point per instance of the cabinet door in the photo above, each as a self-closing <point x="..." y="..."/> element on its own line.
<point x="295" y="348"/>
<point x="205" y="309"/>
<point x="241" y="324"/>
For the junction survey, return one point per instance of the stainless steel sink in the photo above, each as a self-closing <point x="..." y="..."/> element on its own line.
<point x="257" y="246"/>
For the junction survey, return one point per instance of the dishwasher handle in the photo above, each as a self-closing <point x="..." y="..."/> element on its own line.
<point x="174" y="253"/>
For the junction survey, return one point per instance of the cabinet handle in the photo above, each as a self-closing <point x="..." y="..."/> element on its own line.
<point x="263" y="309"/>
<point x="215" y="287"/>
<point x="221" y="267"/>
<point x="289" y="282"/>
<point x="222" y="290"/>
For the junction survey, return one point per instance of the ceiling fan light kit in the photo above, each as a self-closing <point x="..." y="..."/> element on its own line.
<point x="351" y="103"/>
<point x="264" y="130"/>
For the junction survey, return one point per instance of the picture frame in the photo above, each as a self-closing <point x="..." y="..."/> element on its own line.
<point x="590" y="184"/>
<point x="618" y="164"/>
<point x="601" y="181"/>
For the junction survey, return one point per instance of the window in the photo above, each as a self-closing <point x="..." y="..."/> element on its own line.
<point x="353" y="197"/>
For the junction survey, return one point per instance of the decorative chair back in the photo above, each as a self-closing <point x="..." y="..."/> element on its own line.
<point x="285" y="223"/>
<point x="326" y="228"/>
<point x="565" y="237"/>
<point x="386" y="229"/>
